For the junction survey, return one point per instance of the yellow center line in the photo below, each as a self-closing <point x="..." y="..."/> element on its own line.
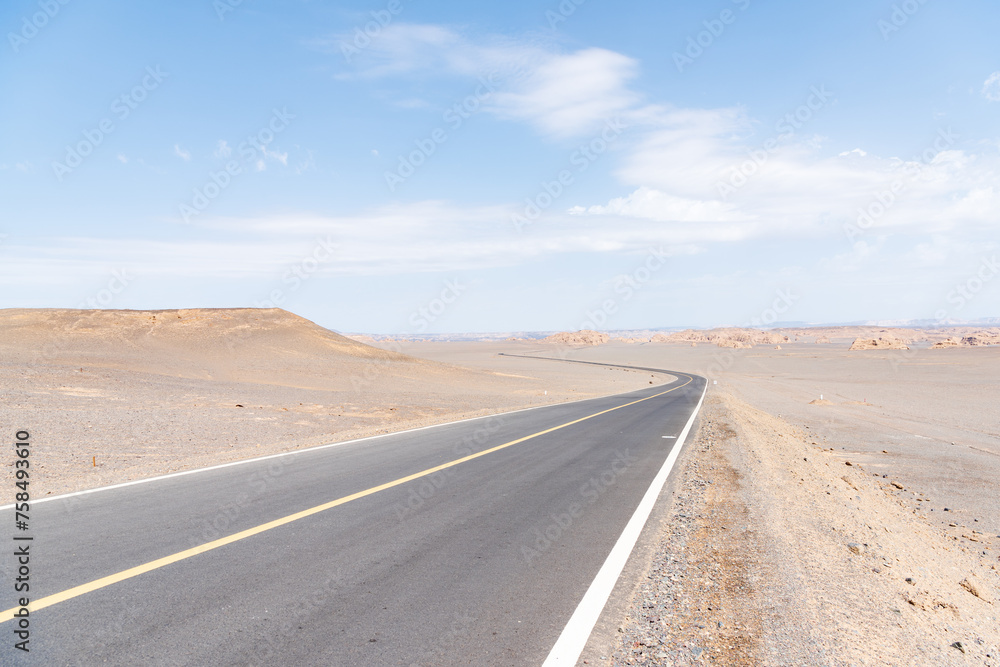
<point x="103" y="582"/>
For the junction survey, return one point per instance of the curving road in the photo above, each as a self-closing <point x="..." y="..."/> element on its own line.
<point x="467" y="543"/>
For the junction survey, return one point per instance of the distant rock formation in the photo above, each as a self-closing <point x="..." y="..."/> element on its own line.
<point x="978" y="339"/>
<point x="732" y="338"/>
<point x="585" y="337"/>
<point x="879" y="344"/>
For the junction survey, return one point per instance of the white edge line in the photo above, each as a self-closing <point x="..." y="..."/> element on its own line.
<point x="317" y="448"/>
<point x="574" y="636"/>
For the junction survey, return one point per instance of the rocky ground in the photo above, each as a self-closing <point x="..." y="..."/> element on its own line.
<point x="781" y="551"/>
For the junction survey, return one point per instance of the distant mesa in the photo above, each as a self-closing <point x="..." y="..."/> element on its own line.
<point x="239" y="344"/>
<point x="822" y="340"/>
<point x="886" y="343"/>
<point x="731" y="338"/>
<point x="585" y="337"/>
<point x="978" y="339"/>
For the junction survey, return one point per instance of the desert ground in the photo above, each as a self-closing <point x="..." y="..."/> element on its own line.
<point x="835" y="507"/>
<point x="114" y="396"/>
<point x="860" y="528"/>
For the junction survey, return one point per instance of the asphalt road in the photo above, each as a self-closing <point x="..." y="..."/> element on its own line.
<point x="365" y="563"/>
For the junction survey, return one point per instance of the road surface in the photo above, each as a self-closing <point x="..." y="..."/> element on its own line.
<point x="466" y="543"/>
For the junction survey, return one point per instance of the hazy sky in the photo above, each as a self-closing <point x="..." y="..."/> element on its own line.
<point x="405" y="166"/>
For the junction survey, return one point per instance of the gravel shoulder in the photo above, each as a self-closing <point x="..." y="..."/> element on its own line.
<point x="782" y="551"/>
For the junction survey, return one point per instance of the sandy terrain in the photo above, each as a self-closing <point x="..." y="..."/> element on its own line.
<point x="809" y="531"/>
<point x="147" y="393"/>
<point x="836" y="507"/>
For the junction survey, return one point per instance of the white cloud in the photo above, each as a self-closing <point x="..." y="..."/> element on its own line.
<point x="222" y="149"/>
<point x="571" y="94"/>
<point x="991" y="87"/>
<point x="560" y="94"/>
<point x="181" y="153"/>
<point x="275" y="155"/>
<point x="651" y="204"/>
<point x="122" y="158"/>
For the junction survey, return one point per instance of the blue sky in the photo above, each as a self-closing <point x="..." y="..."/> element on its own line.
<point x="411" y="167"/>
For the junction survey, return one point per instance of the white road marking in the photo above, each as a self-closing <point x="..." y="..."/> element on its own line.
<point x="573" y="639"/>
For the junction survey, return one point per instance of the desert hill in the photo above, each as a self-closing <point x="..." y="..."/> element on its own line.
<point x="243" y="344"/>
<point x="118" y="395"/>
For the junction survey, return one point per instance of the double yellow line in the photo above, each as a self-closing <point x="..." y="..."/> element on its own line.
<point x="103" y="582"/>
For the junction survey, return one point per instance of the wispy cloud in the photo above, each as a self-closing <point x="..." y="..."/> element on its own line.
<point x="222" y="149"/>
<point x="181" y="153"/>
<point x="991" y="87"/>
<point x="560" y="94"/>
